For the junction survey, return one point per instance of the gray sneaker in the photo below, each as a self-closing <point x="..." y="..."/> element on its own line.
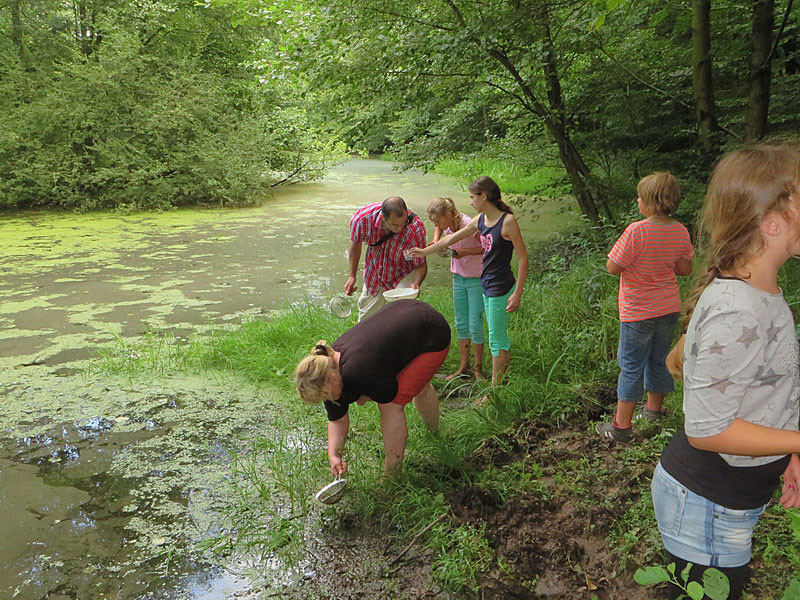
<point x="649" y="414"/>
<point x="612" y="432"/>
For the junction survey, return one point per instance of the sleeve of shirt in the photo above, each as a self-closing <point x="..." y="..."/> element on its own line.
<point x="723" y="362"/>
<point x="416" y="239"/>
<point x="358" y="227"/>
<point x="627" y="248"/>
<point x="688" y="250"/>
<point x="335" y="411"/>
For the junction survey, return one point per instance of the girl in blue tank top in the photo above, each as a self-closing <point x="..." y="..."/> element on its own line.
<point x="500" y="237"/>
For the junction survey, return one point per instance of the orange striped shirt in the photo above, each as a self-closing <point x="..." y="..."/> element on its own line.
<point x="648" y="252"/>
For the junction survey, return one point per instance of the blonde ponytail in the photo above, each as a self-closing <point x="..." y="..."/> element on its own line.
<point x="311" y="373"/>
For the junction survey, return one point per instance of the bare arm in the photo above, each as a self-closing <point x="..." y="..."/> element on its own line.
<point x="683" y="266"/>
<point x="512" y="232"/>
<point x="613" y="267"/>
<point x="443" y="243"/>
<point x="419" y="275"/>
<point x="354" y="255"/>
<point x="744" y="438"/>
<point x="437" y="234"/>
<point x="337" y="432"/>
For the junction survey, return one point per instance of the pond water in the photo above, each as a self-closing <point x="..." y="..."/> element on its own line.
<point x="100" y="477"/>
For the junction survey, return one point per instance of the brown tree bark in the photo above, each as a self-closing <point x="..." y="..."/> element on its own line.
<point x="553" y="115"/>
<point x="760" y="69"/>
<point x="702" y="83"/>
<point x="16" y="31"/>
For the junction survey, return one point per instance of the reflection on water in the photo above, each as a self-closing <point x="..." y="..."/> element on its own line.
<point x="103" y="485"/>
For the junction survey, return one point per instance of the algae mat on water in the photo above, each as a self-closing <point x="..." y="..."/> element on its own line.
<point x="106" y="486"/>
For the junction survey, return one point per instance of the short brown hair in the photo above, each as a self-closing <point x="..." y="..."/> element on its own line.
<point x="660" y="193"/>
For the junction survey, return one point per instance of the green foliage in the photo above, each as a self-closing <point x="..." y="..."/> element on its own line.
<point x="519" y="177"/>
<point x="715" y="585"/>
<point x="155" y="107"/>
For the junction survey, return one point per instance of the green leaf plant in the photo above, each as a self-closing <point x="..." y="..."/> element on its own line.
<point x="715" y="584"/>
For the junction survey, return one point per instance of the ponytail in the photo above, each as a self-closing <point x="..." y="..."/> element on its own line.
<point x="486" y="185"/>
<point x="311" y="374"/>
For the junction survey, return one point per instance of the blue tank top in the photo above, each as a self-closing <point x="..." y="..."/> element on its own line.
<point x="497" y="278"/>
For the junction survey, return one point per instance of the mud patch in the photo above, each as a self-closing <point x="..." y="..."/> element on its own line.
<point x="551" y="542"/>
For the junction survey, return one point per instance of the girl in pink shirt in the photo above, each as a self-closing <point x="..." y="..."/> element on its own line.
<point x="465" y="265"/>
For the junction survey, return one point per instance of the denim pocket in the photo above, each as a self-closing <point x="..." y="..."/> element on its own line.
<point x="734" y="528"/>
<point x="669" y="502"/>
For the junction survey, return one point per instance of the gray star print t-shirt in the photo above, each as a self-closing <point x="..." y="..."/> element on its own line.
<point x="740" y="361"/>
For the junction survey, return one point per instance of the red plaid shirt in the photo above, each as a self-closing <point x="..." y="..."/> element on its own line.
<point x="384" y="265"/>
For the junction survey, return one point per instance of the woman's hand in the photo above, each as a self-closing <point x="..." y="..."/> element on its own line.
<point x="790" y="498"/>
<point x="338" y="466"/>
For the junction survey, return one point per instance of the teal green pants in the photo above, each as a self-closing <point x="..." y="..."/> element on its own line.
<point x="468" y="305"/>
<point x="497" y="318"/>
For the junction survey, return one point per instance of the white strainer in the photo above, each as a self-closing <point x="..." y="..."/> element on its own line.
<point x="332" y="492"/>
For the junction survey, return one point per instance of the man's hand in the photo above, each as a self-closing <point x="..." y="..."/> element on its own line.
<point x="350" y="286"/>
<point x="513" y="303"/>
<point x="338" y="466"/>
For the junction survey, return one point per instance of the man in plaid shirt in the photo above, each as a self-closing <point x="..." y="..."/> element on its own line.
<point x="388" y="228"/>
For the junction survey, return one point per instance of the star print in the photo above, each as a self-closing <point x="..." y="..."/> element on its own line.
<point x="748" y="336"/>
<point x="771" y="378"/>
<point x="772" y="332"/>
<point x="720" y="385"/>
<point x="716" y="348"/>
<point x="703" y="314"/>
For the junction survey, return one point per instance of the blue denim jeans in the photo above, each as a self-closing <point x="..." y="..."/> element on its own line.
<point x="643" y="348"/>
<point x="698" y="530"/>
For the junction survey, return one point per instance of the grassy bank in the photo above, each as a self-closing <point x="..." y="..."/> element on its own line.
<point x="515" y="177"/>
<point x="510" y="492"/>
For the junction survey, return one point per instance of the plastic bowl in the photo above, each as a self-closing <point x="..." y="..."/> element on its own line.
<point x="400" y="294"/>
<point x="341" y="307"/>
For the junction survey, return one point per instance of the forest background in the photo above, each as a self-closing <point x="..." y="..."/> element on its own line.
<point x="115" y="104"/>
<point x="153" y="105"/>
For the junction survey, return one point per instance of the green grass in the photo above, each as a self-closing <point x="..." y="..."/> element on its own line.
<point x="512" y="178"/>
<point x="564" y="344"/>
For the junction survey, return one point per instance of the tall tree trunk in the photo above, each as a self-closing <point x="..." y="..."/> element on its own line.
<point x="760" y="69"/>
<point x="702" y="84"/>
<point x="16" y="32"/>
<point x="556" y="122"/>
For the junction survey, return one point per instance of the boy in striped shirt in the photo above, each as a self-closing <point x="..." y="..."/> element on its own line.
<point x="647" y="257"/>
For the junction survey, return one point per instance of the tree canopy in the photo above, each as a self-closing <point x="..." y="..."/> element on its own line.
<point x="151" y="104"/>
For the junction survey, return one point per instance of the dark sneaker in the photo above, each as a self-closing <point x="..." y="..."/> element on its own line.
<point x="612" y="432"/>
<point x="649" y="414"/>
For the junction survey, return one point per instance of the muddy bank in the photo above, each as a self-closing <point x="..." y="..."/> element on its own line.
<point x="549" y="542"/>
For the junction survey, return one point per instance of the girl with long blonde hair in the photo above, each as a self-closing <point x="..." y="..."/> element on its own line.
<point x="740" y="371"/>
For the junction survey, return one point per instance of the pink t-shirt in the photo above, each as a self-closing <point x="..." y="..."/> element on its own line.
<point x="648" y="252"/>
<point x="470" y="265"/>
